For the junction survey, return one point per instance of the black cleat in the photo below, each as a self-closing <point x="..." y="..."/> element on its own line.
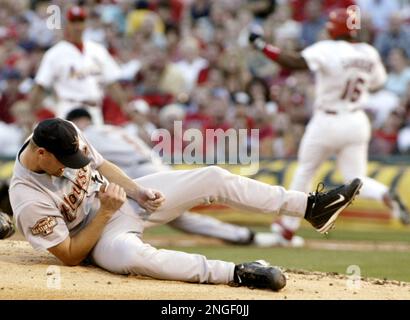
<point x="323" y="208"/>
<point x="258" y="274"/>
<point x="400" y="209"/>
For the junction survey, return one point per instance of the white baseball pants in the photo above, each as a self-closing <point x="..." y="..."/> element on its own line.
<point x="121" y="249"/>
<point x="345" y="136"/>
<point x="191" y="222"/>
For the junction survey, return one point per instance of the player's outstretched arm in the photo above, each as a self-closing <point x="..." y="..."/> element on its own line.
<point x="149" y="199"/>
<point x="288" y="59"/>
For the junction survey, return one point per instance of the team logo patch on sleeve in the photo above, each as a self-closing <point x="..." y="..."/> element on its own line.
<point x="44" y="226"/>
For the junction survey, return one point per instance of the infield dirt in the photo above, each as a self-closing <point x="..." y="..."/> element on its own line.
<point x="26" y="274"/>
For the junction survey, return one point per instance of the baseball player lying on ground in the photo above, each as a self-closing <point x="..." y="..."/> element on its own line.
<point x="135" y="158"/>
<point x="69" y="200"/>
<point x="346" y="72"/>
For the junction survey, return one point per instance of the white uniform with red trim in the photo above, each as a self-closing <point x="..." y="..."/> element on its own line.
<point x="48" y="209"/>
<point x="78" y="77"/>
<point x="345" y="73"/>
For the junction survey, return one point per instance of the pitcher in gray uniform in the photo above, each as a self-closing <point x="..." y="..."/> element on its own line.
<point x="69" y="200"/>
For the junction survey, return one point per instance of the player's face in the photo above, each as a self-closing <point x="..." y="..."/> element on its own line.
<point x="76" y="28"/>
<point x="49" y="163"/>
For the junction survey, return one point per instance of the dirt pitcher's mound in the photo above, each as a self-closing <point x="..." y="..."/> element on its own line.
<point x="27" y="274"/>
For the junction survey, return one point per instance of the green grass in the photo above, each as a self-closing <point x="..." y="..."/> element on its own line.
<point x="390" y="265"/>
<point x="379" y="234"/>
<point x="387" y="235"/>
<point x="378" y="264"/>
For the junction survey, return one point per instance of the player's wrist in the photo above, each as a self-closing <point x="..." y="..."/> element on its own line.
<point x="271" y="52"/>
<point x="134" y="192"/>
<point x="106" y="213"/>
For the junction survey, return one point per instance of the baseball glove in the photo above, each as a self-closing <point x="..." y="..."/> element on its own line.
<point x="6" y="226"/>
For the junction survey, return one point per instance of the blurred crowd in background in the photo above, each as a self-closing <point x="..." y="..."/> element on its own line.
<point x="190" y="60"/>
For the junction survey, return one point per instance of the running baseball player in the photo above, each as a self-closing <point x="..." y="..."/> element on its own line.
<point x="69" y="200"/>
<point x="136" y="159"/>
<point x="77" y="71"/>
<point x="346" y="71"/>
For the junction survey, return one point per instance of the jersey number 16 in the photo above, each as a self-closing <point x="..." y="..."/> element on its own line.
<point x="353" y="89"/>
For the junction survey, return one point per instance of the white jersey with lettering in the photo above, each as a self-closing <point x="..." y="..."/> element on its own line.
<point x="345" y="72"/>
<point x="47" y="209"/>
<point x="77" y="77"/>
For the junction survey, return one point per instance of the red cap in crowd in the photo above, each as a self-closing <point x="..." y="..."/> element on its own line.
<point x="76" y="13"/>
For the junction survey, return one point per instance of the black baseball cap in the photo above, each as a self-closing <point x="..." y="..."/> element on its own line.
<point x="59" y="137"/>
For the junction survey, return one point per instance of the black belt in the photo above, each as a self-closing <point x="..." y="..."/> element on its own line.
<point x="336" y="113"/>
<point x="143" y="161"/>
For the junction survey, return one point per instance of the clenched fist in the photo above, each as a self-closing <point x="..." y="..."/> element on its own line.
<point x="150" y="200"/>
<point x="256" y="37"/>
<point x="112" y="197"/>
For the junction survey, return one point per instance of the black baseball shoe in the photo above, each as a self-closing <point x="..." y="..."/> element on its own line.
<point x="399" y="209"/>
<point x="258" y="274"/>
<point x="323" y="208"/>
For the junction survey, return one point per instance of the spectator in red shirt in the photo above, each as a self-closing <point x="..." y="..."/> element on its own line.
<point x="170" y="149"/>
<point x="262" y="122"/>
<point x="10" y="95"/>
<point x="384" y="140"/>
<point x="199" y="114"/>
